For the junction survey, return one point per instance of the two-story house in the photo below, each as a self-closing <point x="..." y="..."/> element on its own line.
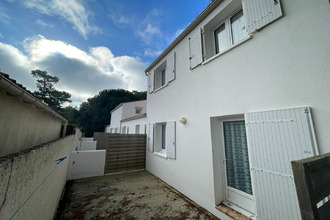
<point x="240" y="93"/>
<point x="128" y="118"/>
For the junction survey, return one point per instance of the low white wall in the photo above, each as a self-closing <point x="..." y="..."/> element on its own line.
<point x="87" y="139"/>
<point x="21" y="174"/>
<point x="88" y="145"/>
<point x="86" y="164"/>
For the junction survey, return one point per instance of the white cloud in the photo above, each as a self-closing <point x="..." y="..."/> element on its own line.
<point x="148" y="33"/>
<point x="81" y="73"/>
<point x="73" y="11"/>
<point x="120" y="20"/>
<point x="149" y="27"/>
<point x="42" y="23"/>
<point x="4" y="18"/>
<point x="152" y="53"/>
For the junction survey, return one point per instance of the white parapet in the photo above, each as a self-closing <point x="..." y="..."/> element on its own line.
<point x="86" y="163"/>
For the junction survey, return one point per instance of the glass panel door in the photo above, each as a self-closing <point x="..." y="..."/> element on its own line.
<point x="239" y="187"/>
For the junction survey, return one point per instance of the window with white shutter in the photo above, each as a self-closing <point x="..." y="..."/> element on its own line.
<point x="163" y="139"/>
<point x="275" y="138"/>
<point x="164" y="73"/>
<point x="170" y="67"/>
<point x="170" y="139"/>
<point x="195" y="50"/>
<point x="260" y="13"/>
<point x="151" y="81"/>
<point x="151" y="138"/>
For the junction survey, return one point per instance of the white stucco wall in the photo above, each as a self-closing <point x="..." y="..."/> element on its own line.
<point x="23" y="125"/>
<point x="132" y="125"/>
<point x="85" y="164"/>
<point x="285" y="65"/>
<point x="21" y="174"/>
<point x="116" y="116"/>
<point x="129" y="108"/>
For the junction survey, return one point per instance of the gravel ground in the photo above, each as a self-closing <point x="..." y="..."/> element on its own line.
<point x="133" y="195"/>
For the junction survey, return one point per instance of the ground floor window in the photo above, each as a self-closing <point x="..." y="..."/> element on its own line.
<point x="161" y="139"/>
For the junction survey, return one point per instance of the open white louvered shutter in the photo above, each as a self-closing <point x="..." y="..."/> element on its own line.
<point x="151" y="138"/>
<point x="195" y="50"/>
<point x="170" y="67"/>
<point x="275" y="138"/>
<point x="259" y="13"/>
<point x="170" y="139"/>
<point x="151" y="76"/>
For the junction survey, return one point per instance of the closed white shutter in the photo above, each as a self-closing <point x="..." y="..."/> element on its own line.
<point x="151" y="138"/>
<point x="170" y="67"/>
<point x="195" y="50"/>
<point x="170" y="139"/>
<point x="151" y="81"/>
<point x="275" y="138"/>
<point x="259" y="13"/>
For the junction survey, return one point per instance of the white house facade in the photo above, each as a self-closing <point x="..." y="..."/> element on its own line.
<point x="128" y="118"/>
<point x="239" y="94"/>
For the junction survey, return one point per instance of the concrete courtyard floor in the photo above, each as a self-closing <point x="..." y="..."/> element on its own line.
<point x="132" y="195"/>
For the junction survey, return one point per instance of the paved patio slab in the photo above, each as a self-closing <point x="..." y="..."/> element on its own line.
<point x="133" y="195"/>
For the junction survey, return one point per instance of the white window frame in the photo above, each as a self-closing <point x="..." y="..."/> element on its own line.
<point x="164" y="73"/>
<point x="137" y="129"/>
<point x="158" y="78"/>
<point x="161" y="139"/>
<point x="228" y="29"/>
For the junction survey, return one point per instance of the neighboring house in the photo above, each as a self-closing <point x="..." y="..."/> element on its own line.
<point x="231" y="100"/>
<point x="25" y="120"/>
<point x="128" y="118"/>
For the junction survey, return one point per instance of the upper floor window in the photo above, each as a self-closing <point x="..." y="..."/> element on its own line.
<point x="162" y="74"/>
<point x="138" y="110"/>
<point x="231" y="32"/>
<point x="226" y="30"/>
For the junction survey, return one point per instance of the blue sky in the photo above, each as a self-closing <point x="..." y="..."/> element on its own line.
<point x="90" y="45"/>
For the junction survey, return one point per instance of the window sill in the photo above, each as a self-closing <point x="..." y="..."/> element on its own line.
<point x="225" y="51"/>
<point x="156" y="90"/>
<point x="161" y="154"/>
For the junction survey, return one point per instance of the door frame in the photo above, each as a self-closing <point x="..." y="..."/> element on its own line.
<point x="225" y="187"/>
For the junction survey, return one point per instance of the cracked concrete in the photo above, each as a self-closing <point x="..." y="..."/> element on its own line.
<point x="134" y="195"/>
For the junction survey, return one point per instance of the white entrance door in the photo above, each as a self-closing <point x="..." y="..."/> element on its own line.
<point x="238" y="179"/>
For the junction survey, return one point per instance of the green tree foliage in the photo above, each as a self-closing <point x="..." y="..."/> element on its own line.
<point x="95" y="113"/>
<point x="47" y="91"/>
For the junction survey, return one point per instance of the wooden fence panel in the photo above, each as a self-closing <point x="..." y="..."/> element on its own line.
<point x="312" y="179"/>
<point x="101" y="139"/>
<point x="125" y="152"/>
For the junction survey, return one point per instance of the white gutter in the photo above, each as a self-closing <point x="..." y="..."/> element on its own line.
<point x="14" y="90"/>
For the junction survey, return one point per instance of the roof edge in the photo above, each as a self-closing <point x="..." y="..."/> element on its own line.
<point x="184" y="33"/>
<point x="134" y="117"/>
<point x="10" y="85"/>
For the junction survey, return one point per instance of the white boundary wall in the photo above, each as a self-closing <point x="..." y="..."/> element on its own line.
<point x="21" y="174"/>
<point x="86" y="164"/>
